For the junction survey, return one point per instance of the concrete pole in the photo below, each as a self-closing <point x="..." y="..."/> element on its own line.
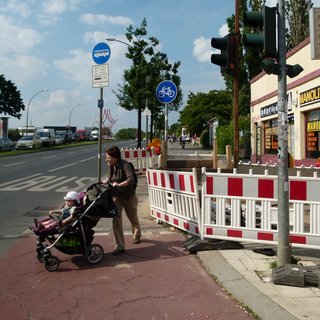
<point x="236" y="88"/>
<point x="215" y="154"/>
<point x="284" y="248"/>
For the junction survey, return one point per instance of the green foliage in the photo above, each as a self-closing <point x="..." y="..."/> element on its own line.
<point x="149" y="68"/>
<point x="202" y="107"/>
<point x="204" y="139"/>
<point x="10" y="99"/>
<point x="224" y="137"/>
<point x="297" y="13"/>
<point x="14" y="135"/>
<point x="129" y="133"/>
<point x="293" y="260"/>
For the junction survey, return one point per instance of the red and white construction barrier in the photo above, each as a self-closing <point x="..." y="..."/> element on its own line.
<point x="142" y="159"/>
<point x="236" y="206"/>
<point x="174" y="199"/>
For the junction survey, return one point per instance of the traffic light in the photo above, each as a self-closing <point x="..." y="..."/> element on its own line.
<point x="293" y="70"/>
<point x="265" y="22"/>
<point x="272" y="67"/>
<point x="226" y="59"/>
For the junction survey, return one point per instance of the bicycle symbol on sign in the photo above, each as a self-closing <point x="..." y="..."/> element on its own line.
<point x="166" y="91"/>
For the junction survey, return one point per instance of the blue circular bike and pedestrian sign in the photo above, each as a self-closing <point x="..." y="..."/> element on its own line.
<point x="166" y="91"/>
<point x="101" y="53"/>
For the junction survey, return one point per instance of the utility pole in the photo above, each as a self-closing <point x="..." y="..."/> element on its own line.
<point x="284" y="248"/>
<point x="236" y="88"/>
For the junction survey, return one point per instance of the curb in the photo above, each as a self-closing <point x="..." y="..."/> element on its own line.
<point x="240" y="288"/>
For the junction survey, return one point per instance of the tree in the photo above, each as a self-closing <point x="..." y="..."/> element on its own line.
<point x="10" y="99"/>
<point x="129" y="133"/>
<point x="297" y="12"/>
<point x="201" y="107"/>
<point x="149" y="68"/>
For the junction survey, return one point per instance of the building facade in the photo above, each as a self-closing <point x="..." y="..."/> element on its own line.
<point x="303" y="106"/>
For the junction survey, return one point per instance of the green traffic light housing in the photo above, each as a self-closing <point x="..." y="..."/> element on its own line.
<point x="266" y="38"/>
<point x="226" y="59"/>
<point x="293" y="71"/>
<point x="272" y="67"/>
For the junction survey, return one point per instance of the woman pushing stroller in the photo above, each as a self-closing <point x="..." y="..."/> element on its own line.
<point x="60" y="217"/>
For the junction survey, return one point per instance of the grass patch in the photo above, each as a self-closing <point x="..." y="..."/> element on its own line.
<point x="293" y="260"/>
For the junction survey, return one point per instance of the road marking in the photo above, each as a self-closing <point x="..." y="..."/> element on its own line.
<point x="87" y="159"/>
<point x="43" y="183"/>
<point x="13" y="164"/>
<point x="62" y="167"/>
<point x="21" y="179"/>
<point x="45" y="158"/>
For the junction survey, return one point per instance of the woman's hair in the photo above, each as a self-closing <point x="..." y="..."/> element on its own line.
<point x="114" y="152"/>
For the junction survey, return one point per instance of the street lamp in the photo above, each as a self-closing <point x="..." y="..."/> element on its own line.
<point x="77" y="105"/>
<point x="29" y="106"/>
<point x="147" y="113"/>
<point x="116" y="40"/>
<point x="139" y="107"/>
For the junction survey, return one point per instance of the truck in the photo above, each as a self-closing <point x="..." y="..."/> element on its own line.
<point x="47" y="136"/>
<point x="82" y="135"/>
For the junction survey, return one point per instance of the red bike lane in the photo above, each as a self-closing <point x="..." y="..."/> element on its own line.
<point x="156" y="279"/>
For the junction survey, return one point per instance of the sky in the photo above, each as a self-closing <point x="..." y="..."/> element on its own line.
<point x="48" y="44"/>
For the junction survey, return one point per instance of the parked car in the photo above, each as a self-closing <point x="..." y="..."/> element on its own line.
<point x="59" y="139"/>
<point x="29" y="142"/>
<point x="6" y="144"/>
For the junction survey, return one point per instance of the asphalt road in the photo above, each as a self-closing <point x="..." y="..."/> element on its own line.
<point x="31" y="184"/>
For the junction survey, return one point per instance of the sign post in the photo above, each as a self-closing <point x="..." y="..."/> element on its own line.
<point x="166" y="92"/>
<point x="100" y="78"/>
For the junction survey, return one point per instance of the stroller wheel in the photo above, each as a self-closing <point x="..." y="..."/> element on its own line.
<point x="52" y="263"/>
<point x="40" y="257"/>
<point x="95" y="253"/>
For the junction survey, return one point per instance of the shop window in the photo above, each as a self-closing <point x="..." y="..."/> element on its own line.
<point x="271" y="137"/>
<point x="313" y="139"/>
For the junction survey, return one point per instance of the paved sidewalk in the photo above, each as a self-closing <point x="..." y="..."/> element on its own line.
<point x="247" y="276"/>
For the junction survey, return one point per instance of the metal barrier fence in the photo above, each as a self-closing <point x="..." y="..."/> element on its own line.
<point x="241" y="207"/>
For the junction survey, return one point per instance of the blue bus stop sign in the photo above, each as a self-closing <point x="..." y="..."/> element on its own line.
<point x="166" y="91"/>
<point x="101" y="53"/>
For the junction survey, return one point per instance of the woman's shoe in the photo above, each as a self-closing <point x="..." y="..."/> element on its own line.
<point x="117" y="251"/>
<point x="136" y="241"/>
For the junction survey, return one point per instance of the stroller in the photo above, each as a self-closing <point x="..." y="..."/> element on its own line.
<point x="76" y="238"/>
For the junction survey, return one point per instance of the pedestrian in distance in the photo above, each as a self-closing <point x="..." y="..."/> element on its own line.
<point x="183" y="140"/>
<point x="122" y="178"/>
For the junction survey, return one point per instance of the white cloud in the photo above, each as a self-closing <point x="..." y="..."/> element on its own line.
<point x="202" y="49"/>
<point x="94" y="37"/>
<point x="54" y="7"/>
<point x="23" y="68"/>
<point x="16" y="38"/>
<point x="100" y="19"/>
<point x="22" y="9"/>
<point x="224" y="30"/>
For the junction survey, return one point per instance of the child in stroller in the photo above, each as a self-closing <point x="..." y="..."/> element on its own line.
<point x="59" y="217"/>
<point x="76" y="235"/>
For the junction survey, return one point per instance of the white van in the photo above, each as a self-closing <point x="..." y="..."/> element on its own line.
<point x="94" y="135"/>
<point x="47" y="136"/>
